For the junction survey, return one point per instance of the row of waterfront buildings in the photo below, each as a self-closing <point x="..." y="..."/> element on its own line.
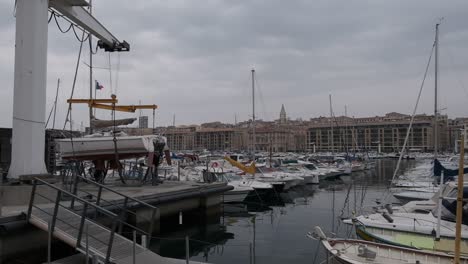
<point x="379" y="133"/>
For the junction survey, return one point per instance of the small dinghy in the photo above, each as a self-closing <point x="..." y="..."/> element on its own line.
<point x="352" y="251"/>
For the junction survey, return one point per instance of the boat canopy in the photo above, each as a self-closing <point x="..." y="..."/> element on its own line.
<point x="439" y="168"/>
<point x="449" y="205"/>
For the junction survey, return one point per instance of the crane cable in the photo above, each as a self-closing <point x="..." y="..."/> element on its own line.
<point x="69" y="112"/>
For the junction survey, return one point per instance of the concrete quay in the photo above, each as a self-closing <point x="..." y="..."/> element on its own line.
<point x="171" y="198"/>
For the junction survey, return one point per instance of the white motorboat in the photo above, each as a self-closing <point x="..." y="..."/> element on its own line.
<point x="243" y="187"/>
<point x="273" y="176"/>
<point x="409" y="222"/>
<point x="238" y="194"/>
<point x="309" y="176"/>
<point x="415" y="194"/>
<point x="344" y="167"/>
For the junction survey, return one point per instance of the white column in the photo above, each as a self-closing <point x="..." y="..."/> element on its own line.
<point x="29" y="89"/>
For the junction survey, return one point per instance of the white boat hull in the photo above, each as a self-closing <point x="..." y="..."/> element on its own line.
<point x="235" y="196"/>
<point x="350" y="251"/>
<point x="102" y="147"/>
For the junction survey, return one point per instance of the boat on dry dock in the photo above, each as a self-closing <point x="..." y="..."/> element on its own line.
<point x="103" y="146"/>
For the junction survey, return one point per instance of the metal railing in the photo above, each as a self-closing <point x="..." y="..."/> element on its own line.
<point x="115" y="219"/>
<point x="123" y="206"/>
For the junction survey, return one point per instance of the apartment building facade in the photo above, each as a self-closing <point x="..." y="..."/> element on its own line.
<point x="380" y="133"/>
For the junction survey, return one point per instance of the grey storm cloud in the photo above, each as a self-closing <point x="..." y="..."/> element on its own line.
<point x="193" y="58"/>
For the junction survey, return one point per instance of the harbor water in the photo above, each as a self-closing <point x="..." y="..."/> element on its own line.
<point x="275" y="230"/>
<point x="269" y="229"/>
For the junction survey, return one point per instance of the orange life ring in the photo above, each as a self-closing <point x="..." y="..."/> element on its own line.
<point x="214" y="164"/>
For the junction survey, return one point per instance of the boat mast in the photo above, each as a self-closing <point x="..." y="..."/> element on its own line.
<point x="90" y="73"/>
<point x="346" y="129"/>
<point x="253" y="115"/>
<point x="436" y="68"/>
<point x="331" y="125"/>
<point x="459" y="198"/>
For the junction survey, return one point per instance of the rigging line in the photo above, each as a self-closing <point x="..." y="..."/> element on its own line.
<point x="69" y="112"/>
<point x="110" y="74"/>
<point x="51" y="16"/>
<point x="413" y="115"/>
<point x="117" y="74"/>
<point x="50" y="114"/>
<point x="262" y="101"/>
<point x="316" y="252"/>
<point x="453" y="67"/>
<point x="58" y="24"/>
<point x="77" y="37"/>
<point x="96" y="51"/>
<point x="72" y="26"/>
<point x="346" y="202"/>
<point x="28" y="120"/>
<point x="74" y="84"/>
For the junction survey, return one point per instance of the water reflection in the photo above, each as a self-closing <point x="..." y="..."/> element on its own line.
<point x="271" y="229"/>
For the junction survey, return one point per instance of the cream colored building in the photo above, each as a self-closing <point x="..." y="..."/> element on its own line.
<point x="380" y="133"/>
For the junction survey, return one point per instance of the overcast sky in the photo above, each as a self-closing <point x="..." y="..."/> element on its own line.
<point x="193" y="58"/>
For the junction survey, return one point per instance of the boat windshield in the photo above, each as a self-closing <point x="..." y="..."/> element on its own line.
<point x="233" y="177"/>
<point x="310" y="166"/>
<point x="291" y="169"/>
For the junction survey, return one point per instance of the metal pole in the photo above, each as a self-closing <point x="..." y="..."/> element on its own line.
<point x="178" y="170"/>
<point x="250" y="253"/>
<point x="55" y="103"/>
<point x="91" y="86"/>
<point x="187" y="250"/>
<point x="49" y="243"/>
<point x="346" y="129"/>
<point x="439" y="206"/>
<point x="87" y="245"/>
<point x="436" y="66"/>
<point x="253" y="115"/>
<point x="144" y="241"/>
<point x="31" y="201"/>
<point x="134" y="247"/>
<point x="331" y="125"/>
<point x="459" y="199"/>
<point x="111" y="240"/>
<point x="254" y="238"/>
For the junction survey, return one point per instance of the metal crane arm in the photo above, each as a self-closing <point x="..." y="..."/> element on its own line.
<point x="92" y="101"/>
<point x="74" y="10"/>
<point x="123" y="108"/>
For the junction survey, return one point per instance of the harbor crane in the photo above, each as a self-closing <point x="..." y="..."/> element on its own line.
<point x="29" y="102"/>
<point x="103" y="104"/>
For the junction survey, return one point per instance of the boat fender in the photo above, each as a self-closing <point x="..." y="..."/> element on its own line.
<point x="319" y="233"/>
<point x="364" y="252"/>
<point x="389" y="208"/>
<point x="387" y="217"/>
